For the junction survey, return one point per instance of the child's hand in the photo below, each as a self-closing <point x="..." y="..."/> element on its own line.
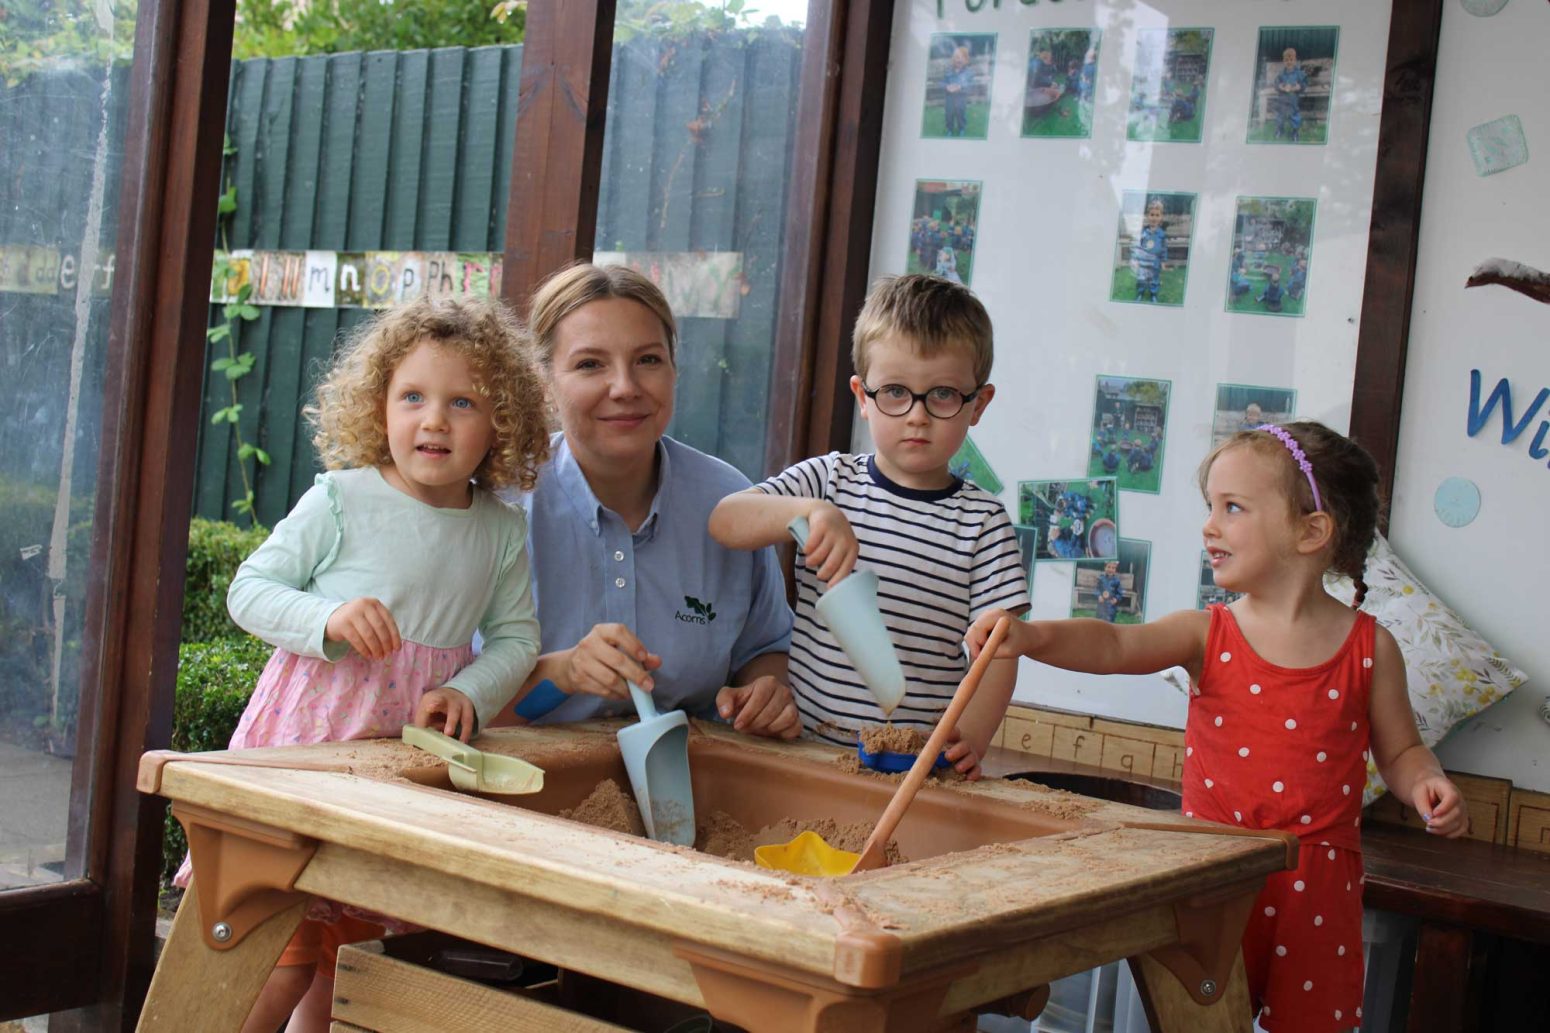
<point x="762" y="707"/>
<point x="367" y="626"/>
<point x="1023" y="638"/>
<point x="831" y="543"/>
<point x="962" y="757"/>
<point x="449" y="708"/>
<point x="1441" y="806"/>
<point x="605" y="659"/>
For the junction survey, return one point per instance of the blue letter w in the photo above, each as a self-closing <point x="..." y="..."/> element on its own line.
<point x="1502" y="393"/>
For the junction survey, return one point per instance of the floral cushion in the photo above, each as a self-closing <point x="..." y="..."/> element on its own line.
<point x="1452" y="672"/>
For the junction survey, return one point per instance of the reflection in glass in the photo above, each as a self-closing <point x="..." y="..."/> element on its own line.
<point x="64" y="86"/>
<point x="701" y="123"/>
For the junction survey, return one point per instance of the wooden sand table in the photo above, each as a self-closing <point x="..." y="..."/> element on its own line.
<point x="1011" y="884"/>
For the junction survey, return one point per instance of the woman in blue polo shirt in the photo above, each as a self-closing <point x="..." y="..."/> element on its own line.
<point x="629" y="585"/>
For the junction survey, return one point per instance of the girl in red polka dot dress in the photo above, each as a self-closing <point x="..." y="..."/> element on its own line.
<point x="1291" y="690"/>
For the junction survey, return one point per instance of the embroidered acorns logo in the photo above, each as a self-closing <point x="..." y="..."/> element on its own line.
<point x="700" y="613"/>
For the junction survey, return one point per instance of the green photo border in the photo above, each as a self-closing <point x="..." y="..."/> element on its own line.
<point x="1025" y="527"/>
<point x="925" y="108"/>
<point x="1120" y="273"/>
<point x="1146" y="582"/>
<point x="1302" y="303"/>
<point x="1095" y="462"/>
<point x="1216" y="404"/>
<point x="1199" y="121"/>
<point x="913" y="266"/>
<point x="1259" y="54"/>
<point x="970" y="464"/>
<point x="1204" y="595"/>
<point x="1094" y="42"/>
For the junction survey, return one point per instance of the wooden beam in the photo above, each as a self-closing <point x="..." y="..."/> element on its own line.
<point x="1393" y="237"/>
<point x="557" y="161"/>
<point x="50" y="933"/>
<point x="156" y="348"/>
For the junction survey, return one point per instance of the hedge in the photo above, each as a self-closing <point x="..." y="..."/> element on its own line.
<point x="215" y="550"/>
<point x="215" y="680"/>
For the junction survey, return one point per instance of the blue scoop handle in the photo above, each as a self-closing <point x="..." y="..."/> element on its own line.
<point x="798" y="529"/>
<point x="644" y="706"/>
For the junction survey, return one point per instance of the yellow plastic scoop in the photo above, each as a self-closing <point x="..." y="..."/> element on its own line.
<point x="808" y="854"/>
<point x="475" y="770"/>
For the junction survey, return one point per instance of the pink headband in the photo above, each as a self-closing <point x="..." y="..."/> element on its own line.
<point x="1298" y="455"/>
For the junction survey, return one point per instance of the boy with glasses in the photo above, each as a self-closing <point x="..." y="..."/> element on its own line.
<point x="943" y="549"/>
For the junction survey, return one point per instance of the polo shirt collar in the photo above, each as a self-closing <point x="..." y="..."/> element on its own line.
<point x="579" y="493"/>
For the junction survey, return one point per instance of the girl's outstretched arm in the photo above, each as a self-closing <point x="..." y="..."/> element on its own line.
<point x="1098" y="647"/>
<point x="1409" y="769"/>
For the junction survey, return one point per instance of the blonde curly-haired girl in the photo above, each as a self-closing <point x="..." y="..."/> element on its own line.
<point x="371" y="589"/>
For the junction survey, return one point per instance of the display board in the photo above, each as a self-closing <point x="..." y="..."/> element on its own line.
<point x="1165" y="209"/>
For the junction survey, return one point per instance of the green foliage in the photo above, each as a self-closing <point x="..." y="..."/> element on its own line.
<point x="283" y="28"/>
<point x="681" y="17"/>
<point x="215" y="680"/>
<point x="215" y="550"/>
<point x="35" y="34"/>
<point x="27" y="611"/>
<point x="234" y="364"/>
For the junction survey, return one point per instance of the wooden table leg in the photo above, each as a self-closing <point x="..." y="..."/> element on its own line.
<point x="1445" y="990"/>
<point x="1170" y="1008"/>
<point x="196" y="987"/>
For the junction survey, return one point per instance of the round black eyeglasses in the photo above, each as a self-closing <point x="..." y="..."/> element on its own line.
<point x="943" y="402"/>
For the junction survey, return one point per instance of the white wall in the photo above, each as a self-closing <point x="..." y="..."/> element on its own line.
<point x="1496" y="571"/>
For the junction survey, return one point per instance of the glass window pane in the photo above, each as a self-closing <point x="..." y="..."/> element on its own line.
<point x="701" y="120"/>
<point x="64" y="90"/>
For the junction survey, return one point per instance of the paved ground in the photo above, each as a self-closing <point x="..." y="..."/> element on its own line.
<point x="34" y="809"/>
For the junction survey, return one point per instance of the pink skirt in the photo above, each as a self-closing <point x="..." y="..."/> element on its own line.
<point x="302" y="699"/>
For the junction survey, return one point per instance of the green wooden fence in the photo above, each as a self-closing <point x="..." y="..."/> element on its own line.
<point x="411" y="152"/>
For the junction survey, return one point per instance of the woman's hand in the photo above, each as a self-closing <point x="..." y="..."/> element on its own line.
<point x="1441" y="806"/>
<point x="1023" y="638"/>
<point x="962" y="756"/>
<point x="764" y="707"/>
<point x="449" y="708"/>
<point x="831" y="548"/>
<point x="367" y="626"/>
<point x="605" y="659"/>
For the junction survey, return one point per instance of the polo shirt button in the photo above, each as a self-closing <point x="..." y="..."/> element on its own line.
<point x="619" y="556"/>
<point x="618" y="582"/>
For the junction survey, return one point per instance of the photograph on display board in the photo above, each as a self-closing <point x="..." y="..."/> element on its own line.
<point x="1113" y="590"/>
<point x="1294" y="84"/>
<point x="1151" y="248"/>
<point x="1245" y="406"/>
<point x="1272" y="240"/>
<point x="958" y="70"/>
<point x="1069" y="520"/>
<point x="968" y="463"/>
<point x="1130" y="419"/>
<point x="943" y="228"/>
<point x="1062" y="77"/>
<point x="1168" y="85"/>
<point x="1207" y="591"/>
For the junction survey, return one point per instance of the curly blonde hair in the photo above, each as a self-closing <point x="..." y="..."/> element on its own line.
<point x="349" y="414"/>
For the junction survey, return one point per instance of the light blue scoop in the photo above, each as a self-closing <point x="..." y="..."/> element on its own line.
<point x="850" y="612"/>
<point x="656" y="756"/>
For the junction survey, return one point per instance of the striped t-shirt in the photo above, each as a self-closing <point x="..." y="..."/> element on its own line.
<point x="942" y="558"/>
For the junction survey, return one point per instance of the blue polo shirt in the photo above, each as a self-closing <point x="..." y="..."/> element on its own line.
<point x="705" y="609"/>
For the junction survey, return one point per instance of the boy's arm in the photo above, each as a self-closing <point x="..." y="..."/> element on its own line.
<point x="752" y="519"/>
<point x="1098" y="647"/>
<point x="1409" y="769"/>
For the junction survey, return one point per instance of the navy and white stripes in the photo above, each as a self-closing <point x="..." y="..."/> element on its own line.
<point x="942" y="558"/>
